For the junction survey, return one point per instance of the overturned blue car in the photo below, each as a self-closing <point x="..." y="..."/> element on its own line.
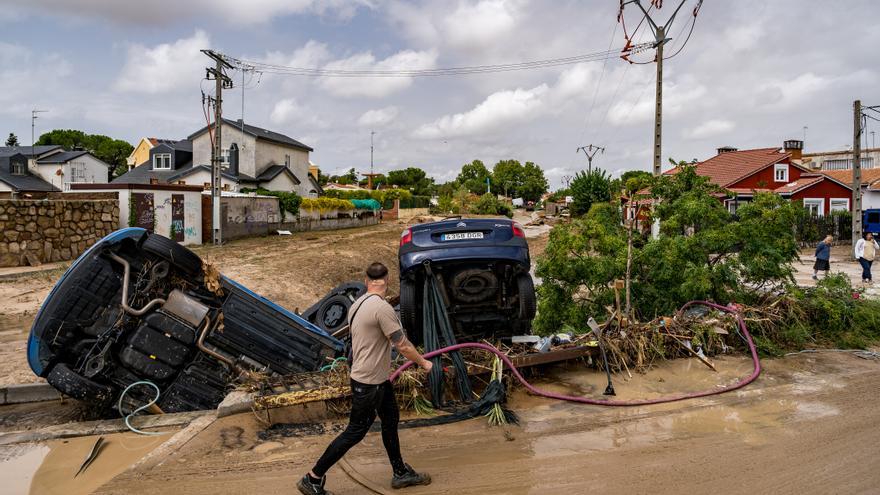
<point x="140" y="307"/>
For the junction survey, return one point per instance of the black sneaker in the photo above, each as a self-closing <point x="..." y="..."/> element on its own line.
<point x="410" y="478"/>
<point x="306" y="487"/>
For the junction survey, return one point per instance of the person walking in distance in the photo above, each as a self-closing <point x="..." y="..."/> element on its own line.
<point x="866" y="249"/>
<point x="374" y="328"/>
<point x="823" y="257"/>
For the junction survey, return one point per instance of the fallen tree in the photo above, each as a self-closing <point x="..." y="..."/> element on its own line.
<point x="703" y="252"/>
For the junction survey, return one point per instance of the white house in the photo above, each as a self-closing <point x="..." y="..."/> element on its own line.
<point x="68" y="167"/>
<point x="252" y="158"/>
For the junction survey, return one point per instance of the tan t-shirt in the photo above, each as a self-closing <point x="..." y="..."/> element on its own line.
<point x="374" y="322"/>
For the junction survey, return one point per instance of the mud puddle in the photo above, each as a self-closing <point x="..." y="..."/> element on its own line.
<point x="51" y="468"/>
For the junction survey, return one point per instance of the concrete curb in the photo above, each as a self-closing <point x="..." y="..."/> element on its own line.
<point x="235" y="402"/>
<point x="102" y="427"/>
<point x="28" y="392"/>
<point x="12" y="273"/>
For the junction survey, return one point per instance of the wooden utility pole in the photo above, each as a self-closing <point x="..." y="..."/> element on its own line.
<point x="857" y="172"/>
<point x="221" y="81"/>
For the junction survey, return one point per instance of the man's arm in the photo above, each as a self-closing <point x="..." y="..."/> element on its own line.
<point x="405" y="347"/>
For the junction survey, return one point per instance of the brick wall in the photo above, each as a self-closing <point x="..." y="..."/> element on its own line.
<point x="33" y="231"/>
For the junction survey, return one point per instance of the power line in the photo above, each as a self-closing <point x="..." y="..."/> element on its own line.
<point x="267" y="68"/>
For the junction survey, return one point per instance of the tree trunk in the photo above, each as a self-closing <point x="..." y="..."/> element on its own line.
<point x="629" y="245"/>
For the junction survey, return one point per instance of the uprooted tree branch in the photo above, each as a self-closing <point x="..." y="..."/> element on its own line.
<point x="703" y="252"/>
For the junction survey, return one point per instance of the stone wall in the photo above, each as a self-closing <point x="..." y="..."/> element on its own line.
<point x="34" y="231"/>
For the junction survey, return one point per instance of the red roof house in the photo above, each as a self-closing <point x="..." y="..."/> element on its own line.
<point x="771" y="169"/>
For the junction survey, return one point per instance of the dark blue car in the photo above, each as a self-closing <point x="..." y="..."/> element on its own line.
<point x="139" y="307"/>
<point x="482" y="268"/>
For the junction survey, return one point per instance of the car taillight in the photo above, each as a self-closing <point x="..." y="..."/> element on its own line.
<point x="518" y="230"/>
<point x="406" y="237"/>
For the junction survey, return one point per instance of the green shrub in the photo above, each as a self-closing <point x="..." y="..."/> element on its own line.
<point x="327" y="204"/>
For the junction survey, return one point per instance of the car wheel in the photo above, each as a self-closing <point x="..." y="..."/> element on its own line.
<point x="526" y="288"/>
<point x="333" y="313"/>
<point x="79" y="387"/>
<point x="409" y="310"/>
<point x="180" y="257"/>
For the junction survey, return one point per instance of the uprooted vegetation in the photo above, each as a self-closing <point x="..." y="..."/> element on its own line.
<point x="703" y="252"/>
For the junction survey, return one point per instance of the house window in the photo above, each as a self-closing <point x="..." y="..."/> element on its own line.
<point x="77" y="172"/>
<point x="780" y="172"/>
<point x="287" y="161"/>
<point x="815" y="206"/>
<point x="735" y="204"/>
<point x="17" y="168"/>
<point x="162" y="161"/>
<point x="839" y="204"/>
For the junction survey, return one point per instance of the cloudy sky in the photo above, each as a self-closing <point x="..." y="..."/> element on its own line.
<point x="753" y="74"/>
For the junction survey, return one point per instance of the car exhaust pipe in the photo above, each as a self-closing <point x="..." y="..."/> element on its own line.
<point x="126" y="277"/>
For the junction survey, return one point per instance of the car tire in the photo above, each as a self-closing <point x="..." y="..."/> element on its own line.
<point x="527" y="303"/>
<point x="74" y="385"/>
<point x="409" y="310"/>
<point x="178" y="256"/>
<point x="333" y="313"/>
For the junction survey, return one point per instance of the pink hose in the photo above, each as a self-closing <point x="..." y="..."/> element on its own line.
<point x="585" y="400"/>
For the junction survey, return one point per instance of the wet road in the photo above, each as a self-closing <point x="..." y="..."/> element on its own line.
<point x="808" y="425"/>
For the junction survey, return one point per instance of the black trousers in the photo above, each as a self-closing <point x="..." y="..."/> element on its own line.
<point x="367" y="402"/>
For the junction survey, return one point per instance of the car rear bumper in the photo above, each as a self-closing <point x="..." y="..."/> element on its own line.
<point x="37" y="354"/>
<point x="513" y="254"/>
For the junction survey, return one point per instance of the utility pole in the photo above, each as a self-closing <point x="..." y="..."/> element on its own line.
<point x="218" y="74"/>
<point x="660" y="39"/>
<point x="567" y="180"/>
<point x="34" y="118"/>
<point x="857" y="172"/>
<point x="370" y="179"/>
<point x="590" y="151"/>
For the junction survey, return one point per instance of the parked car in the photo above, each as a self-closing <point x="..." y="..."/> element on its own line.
<point x="138" y="306"/>
<point x="482" y="268"/>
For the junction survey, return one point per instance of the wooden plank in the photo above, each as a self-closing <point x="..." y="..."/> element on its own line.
<point x="553" y="356"/>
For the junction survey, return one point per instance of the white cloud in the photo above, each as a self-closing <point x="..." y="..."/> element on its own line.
<point x="498" y="110"/>
<point x="710" y="128"/>
<point x="376" y="87"/>
<point x="160" y="12"/>
<point x="289" y="111"/>
<point x="166" y="67"/>
<point x="378" y="117"/>
<point x="479" y="24"/>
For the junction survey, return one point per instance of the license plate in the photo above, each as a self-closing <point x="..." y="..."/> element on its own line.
<point x="461" y="236"/>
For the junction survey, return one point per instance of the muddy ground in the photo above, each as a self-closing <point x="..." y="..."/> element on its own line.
<point x="294" y="271"/>
<point x="808" y="425"/>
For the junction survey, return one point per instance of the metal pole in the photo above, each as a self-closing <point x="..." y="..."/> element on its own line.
<point x="658" y="116"/>
<point x="857" y="172"/>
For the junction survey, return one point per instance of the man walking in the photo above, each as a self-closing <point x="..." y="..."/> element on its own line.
<point x="374" y="327"/>
<point x="866" y="249"/>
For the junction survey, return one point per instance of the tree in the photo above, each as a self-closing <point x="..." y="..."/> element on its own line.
<point x="507" y="178"/>
<point x="347" y="178"/>
<point x="113" y="151"/>
<point x="588" y="189"/>
<point x="413" y="179"/>
<point x="703" y="253"/>
<point x="12" y="140"/>
<point x="534" y="184"/>
<point x="474" y="176"/>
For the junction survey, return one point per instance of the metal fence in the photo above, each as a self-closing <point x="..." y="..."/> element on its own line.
<point x="810" y="229"/>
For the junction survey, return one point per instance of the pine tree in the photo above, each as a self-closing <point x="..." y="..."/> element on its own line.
<point x="12" y="140"/>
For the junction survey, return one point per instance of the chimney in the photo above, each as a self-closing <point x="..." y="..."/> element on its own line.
<point x="726" y="149"/>
<point x="795" y="147"/>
